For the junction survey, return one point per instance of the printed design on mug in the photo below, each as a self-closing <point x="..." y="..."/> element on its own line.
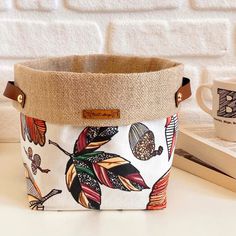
<point x="34" y="129"/>
<point x="227" y="103"/>
<point x="171" y="129"/>
<point x="157" y="197"/>
<point x="88" y="168"/>
<point x="142" y="142"/>
<point x="35" y="161"/>
<point x="36" y="200"/>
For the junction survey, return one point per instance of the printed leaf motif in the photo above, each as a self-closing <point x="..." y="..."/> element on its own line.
<point x="142" y="142"/>
<point x="35" y="197"/>
<point x="87" y="168"/>
<point x="82" y="184"/>
<point x="116" y="172"/>
<point x="157" y="197"/>
<point x="34" y="129"/>
<point x="92" y="138"/>
<point x="171" y="128"/>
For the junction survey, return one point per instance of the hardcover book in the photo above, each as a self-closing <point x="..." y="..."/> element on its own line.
<point x="201" y="142"/>
<point x="187" y="162"/>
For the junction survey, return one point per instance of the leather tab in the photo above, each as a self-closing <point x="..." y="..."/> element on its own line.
<point x="14" y="93"/>
<point x="183" y="92"/>
<point x="101" y="114"/>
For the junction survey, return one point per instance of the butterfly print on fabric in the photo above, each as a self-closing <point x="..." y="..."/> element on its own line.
<point x="157" y="197"/>
<point x="142" y="142"/>
<point x="88" y="168"/>
<point x="171" y="129"/>
<point x="36" y="200"/>
<point x="34" y="129"/>
<point x="35" y="161"/>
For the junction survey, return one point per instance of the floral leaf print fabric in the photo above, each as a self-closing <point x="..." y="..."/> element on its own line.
<point x="116" y="172"/>
<point x="171" y="129"/>
<point x="157" y="197"/>
<point x="142" y="142"/>
<point x="34" y="129"/>
<point x="35" y="197"/>
<point x="87" y="168"/>
<point x="82" y="184"/>
<point x="104" y="168"/>
<point x="35" y="161"/>
<point x="92" y="138"/>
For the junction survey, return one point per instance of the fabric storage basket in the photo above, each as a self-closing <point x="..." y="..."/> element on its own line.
<point x="98" y="131"/>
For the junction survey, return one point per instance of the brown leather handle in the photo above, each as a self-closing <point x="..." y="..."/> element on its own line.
<point x="14" y="93"/>
<point x="183" y="92"/>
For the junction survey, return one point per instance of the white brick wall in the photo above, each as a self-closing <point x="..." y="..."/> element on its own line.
<point x="121" y="5"/>
<point x="43" y="5"/>
<point x="214" y="4"/>
<point x="199" y="33"/>
<point x="37" y="38"/>
<point x="174" y="38"/>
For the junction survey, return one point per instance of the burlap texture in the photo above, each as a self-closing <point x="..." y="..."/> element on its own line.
<point x="59" y="89"/>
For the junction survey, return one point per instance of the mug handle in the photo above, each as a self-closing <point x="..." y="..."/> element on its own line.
<point x="200" y="99"/>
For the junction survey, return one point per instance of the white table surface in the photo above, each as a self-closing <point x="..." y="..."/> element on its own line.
<point x="195" y="207"/>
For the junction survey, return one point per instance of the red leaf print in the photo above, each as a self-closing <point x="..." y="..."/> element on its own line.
<point x="102" y="176"/>
<point x="118" y="173"/>
<point x="92" y="138"/>
<point x="157" y="198"/>
<point x="91" y="194"/>
<point x="137" y="178"/>
<point x="34" y="129"/>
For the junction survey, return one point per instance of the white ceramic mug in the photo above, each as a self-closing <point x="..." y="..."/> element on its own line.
<point x="223" y="108"/>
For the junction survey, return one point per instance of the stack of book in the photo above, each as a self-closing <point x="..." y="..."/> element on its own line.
<point x="201" y="153"/>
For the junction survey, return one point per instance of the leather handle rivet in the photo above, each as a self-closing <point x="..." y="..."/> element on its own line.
<point x="179" y="97"/>
<point x="20" y="98"/>
<point x="183" y="92"/>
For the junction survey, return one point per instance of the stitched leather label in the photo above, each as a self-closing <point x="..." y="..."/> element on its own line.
<point x="101" y="114"/>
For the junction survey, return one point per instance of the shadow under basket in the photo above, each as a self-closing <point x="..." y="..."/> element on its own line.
<point x="98" y="131"/>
